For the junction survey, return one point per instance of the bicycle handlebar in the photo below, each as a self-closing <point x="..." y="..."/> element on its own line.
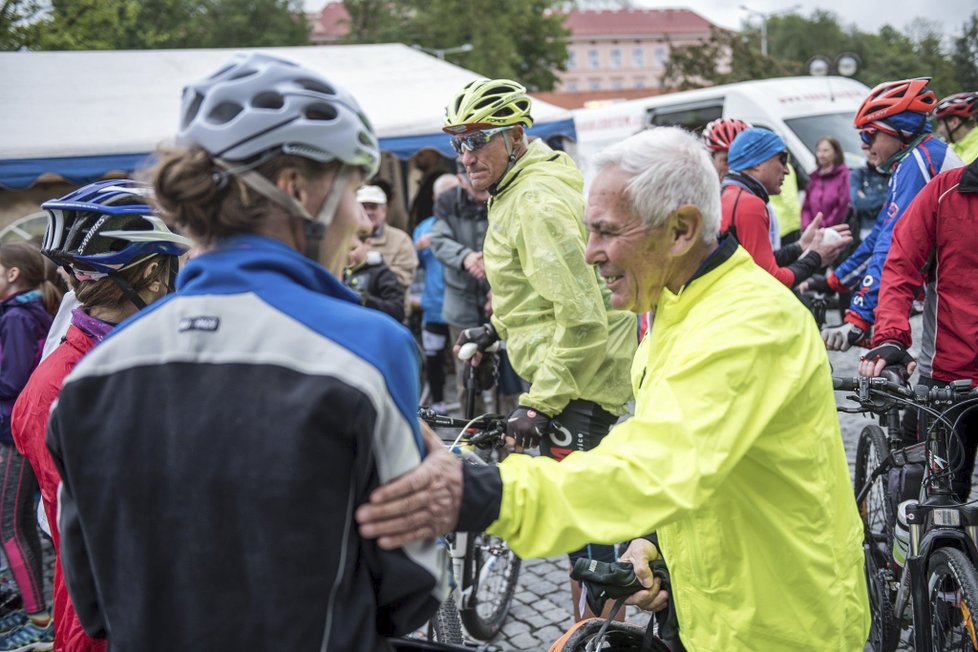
<point x="955" y="392"/>
<point x="469" y="349"/>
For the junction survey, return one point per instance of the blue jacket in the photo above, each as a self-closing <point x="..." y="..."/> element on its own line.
<point x="212" y="451"/>
<point x="24" y="325"/>
<point x="865" y="266"/>
<point x="433" y="296"/>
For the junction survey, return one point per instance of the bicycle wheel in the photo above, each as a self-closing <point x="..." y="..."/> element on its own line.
<point x="875" y="508"/>
<point x="883" y="637"/>
<point x="445" y="626"/>
<point x="952" y="584"/>
<point x="490" y="573"/>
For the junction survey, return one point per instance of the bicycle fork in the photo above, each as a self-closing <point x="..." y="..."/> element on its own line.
<point x="457" y="552"/>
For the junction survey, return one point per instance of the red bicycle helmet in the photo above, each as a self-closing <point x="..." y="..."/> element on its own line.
<point x="719" y="134"/>
<point x="961" y="105"/>
<point x="892" y="98"/>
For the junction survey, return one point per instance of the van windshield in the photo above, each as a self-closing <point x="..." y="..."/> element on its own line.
<point x="839" y="125"/>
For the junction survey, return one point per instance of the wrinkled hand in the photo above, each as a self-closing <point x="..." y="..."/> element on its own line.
<point x="829" y="248"/>
<point x="641" y="553"/>
<point x="842" y="338"/>
<point x="526" y="427"/>
<point x="472" y="263"/>
<point x="422" y="503"/>
<point x="873" y="362"/>
<point x="483" y="336"/>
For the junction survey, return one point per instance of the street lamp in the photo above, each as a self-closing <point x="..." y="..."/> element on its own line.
<point x="441" y="52"/>
<point x="764" y="16"/>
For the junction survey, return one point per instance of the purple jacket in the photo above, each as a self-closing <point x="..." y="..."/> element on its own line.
<point x="24" y="325"/>
<point x="827" y="193"/>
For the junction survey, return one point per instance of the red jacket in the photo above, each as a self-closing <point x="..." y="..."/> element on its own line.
<point x="29" y="426"/>
<point x="753" y="224"/>
<point x="936" y="241"/>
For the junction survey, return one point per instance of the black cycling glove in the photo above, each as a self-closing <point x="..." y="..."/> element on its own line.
<point x="527" y="426"/>
<point x="893" y="352"/>
<point x="484" y="336"/>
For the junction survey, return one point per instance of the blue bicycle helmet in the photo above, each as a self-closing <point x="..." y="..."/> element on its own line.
<point x="105" y="227"/>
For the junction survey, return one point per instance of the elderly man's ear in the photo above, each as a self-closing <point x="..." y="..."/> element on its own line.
<point x="684" y="229"/>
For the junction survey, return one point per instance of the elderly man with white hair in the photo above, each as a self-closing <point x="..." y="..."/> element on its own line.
<point x="393" y="244"/>
<point x="734" y="456"/>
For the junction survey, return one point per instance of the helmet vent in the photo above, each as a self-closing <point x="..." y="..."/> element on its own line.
<point x="364" y="138"/>
<point x="321" y="111"/>
<point x="225" y="112"/>
<point x="241" y="74"/>
<point x="315" y="86"/>
<point x="268" y="100"/>
<point x="192" y="110"/>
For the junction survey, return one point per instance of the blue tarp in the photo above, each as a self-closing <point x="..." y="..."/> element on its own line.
<point x="23" y="173"/>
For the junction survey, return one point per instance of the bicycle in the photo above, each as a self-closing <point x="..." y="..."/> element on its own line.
<point x="485" y="569"/>
<point x="932" y="586"/>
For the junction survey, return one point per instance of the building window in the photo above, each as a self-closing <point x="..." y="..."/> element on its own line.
<point x="594" y="85"/>
<point x="592" y="59"/>
<point x="616" y="58"/>
<point x="571" y="60"/>
<point x="617" y="84"/>
<point x="572" y="87"/>
<point x="661" y="55"/>
<point x="638" y="58"/>
<point x="639" y="82"/>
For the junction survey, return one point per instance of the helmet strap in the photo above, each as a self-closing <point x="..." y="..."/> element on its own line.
<point x="316" y="228"/>
<point x="887" y="166"/>
<point x="127" y="290"/>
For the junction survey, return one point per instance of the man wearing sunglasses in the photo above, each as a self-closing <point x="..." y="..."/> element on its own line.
<point x="758" y="161"/>
<point x="892" y="123"/>
<point x="550" y="306"/>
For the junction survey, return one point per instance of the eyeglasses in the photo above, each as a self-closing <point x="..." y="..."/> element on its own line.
<point x="783" y="157"/>
<point x="476" y="140"/>
<point x="868" y="135"/>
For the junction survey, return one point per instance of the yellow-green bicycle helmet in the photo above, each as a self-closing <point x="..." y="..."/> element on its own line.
<point x="488" y="103"/>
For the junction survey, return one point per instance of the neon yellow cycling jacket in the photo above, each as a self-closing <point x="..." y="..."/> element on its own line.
<point x="549" y="305"/>
<point x="967" y="147"/>
<point x="734" y="457"/>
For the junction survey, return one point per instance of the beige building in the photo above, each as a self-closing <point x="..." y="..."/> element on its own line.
<point x="622" y="53"/>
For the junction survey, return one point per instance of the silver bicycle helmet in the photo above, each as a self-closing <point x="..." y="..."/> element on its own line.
<point x="260" y="103"/>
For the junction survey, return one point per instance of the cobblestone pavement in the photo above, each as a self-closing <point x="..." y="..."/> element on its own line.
<point x="542" y="607"/>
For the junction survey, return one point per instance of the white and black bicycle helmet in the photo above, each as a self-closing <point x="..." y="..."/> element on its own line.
<point x="260" y="103"/>
<point x="106" y="227"/>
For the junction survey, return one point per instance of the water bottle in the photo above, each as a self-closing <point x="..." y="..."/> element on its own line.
<point x="901" y="534"/>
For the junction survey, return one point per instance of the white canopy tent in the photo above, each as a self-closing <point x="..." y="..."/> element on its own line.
<point x="81" y="115"/>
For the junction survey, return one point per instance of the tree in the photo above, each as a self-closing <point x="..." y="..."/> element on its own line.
<point x="965" y="55"/>
<point x="149" y="24"/>
<point x="726" y="57"/>
<point x="524" y="40"/>
<point x="18" y="20"/>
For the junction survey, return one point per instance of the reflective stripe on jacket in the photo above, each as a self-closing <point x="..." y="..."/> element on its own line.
<point x="549" y="305"/>
<point x="734" y="457"/>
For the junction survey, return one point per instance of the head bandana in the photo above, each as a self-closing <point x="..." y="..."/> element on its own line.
<point x="752" y="147"/>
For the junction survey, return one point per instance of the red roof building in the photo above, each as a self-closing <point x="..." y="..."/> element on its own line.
<point x="328" y="25"/>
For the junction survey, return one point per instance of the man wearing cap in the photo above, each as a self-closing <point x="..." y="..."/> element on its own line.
<point x="393" y="244"/>
<point x="892" y="123"/>
<point x="758" y="164"/>
<point x="548" y="303"/>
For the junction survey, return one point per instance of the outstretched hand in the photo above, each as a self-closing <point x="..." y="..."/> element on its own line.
<point x="422" y="503"/>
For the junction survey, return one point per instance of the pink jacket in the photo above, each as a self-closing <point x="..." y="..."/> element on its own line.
<point x="827" y="193"/>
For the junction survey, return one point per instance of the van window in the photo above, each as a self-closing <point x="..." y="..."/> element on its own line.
<point x="839" y="125"/>
<point x="692" y="117"/>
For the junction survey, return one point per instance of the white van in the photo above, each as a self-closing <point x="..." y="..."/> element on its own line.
<point x="800" y="109"/>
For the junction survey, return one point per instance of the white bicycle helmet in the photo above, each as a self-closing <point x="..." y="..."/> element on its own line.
<point x="260" y="103"/>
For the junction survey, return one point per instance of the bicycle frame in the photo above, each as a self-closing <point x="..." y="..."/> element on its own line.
<point x="937" y="520"/>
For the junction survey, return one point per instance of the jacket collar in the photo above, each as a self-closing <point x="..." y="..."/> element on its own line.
<point x="969" y="180"/>
<point x="246" y="263"/>
<point x="748" y="183"/>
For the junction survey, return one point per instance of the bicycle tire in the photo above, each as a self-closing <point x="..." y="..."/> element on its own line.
<point x="951" y="575"/>
<point x="490" y="590"/>
<point x="875" y="509"/>
<point x="446" y="626"/>
<point x="883" y="636"/>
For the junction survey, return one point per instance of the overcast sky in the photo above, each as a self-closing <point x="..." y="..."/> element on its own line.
<point x="868" y="15"/>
